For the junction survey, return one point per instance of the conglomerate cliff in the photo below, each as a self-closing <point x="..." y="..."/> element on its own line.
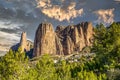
<point x="64" y="40"/>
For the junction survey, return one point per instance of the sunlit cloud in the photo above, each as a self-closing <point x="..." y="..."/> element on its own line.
<point x="59" y="12"/>
<point x="106" y="16"/>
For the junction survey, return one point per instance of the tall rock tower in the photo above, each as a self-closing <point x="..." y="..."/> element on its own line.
<point x="23" y="42"/>
<point x="44" y="42"/>
<point x="26" y="45"/>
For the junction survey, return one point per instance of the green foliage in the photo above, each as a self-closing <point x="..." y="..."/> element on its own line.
<point x="107" y="47"/>
<point x="16" y="66"/>
<point x="45" y="68"/>
<point x="13" y="65"/>
<point x="106" y="39"/>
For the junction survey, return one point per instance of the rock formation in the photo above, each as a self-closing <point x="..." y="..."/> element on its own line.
<point x="64" y="40"/>
<point x="44" y="42"/>
<point x="23" y="42"/>
<point x="26" y="45"/>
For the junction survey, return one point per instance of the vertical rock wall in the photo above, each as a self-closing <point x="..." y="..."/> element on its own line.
<point x="44" y="42"/>
<point x="64" y="40"/>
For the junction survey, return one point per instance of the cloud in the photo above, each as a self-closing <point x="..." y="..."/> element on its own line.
<point x="106" y="16"/>
<point x="12" y="9"/>
<point x="117" y="0"/>
<point x="9" y="34"/>
<point x="59" y="12"/>
<point x="9" y="38"/>
<point x="9" y="25"/>
<point x="6" y="40"/>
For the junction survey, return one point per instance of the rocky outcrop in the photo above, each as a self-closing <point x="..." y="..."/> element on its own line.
<point x="75" y="37"/>
<point x="44" y="42"/>
<point x="26" y="45"/>
<point x="88" y="32"/>
<point x="23" y="42"/>
<point x="64" y="40"/>
<point x="59" y="47"/>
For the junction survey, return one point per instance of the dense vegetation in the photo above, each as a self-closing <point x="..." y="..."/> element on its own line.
<point x="104" y="66"/>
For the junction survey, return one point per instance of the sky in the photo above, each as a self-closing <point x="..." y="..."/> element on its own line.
<point x="17" y="16"/>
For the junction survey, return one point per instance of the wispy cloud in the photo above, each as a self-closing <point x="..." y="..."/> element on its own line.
<point x="117" y="0"/>
<point x="9" y="34"/>
<point x="9" y="25"/>
<point x="6" y="40"/>
<point x="59" y="12"/>
<point x="106" y="16"/>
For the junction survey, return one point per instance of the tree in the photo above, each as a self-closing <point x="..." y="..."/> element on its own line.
<point x="45" y="68"/>
<point x="13" y="66"/>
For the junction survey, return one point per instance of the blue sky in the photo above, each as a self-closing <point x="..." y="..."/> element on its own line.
<point x="25" y="15"/>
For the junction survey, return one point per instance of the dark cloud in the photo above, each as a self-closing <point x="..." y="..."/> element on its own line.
<point x="9" y="30"/>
